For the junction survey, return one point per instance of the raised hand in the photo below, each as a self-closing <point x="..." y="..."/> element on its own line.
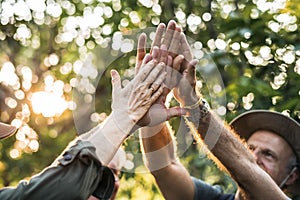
<point x="163" y="36"/>
<point x="158" y="112"/>
<point x="186" y="92"/>
<point x="131" y="103"/>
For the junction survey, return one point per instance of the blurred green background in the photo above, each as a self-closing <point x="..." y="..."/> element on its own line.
<point x="55" y="84"/>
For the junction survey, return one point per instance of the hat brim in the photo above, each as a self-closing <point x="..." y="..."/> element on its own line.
<point x="6" y="130"/>
<point x="289" y="129"/>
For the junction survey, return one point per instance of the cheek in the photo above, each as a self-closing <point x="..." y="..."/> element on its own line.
<point x="273" y="171"/>
<point x="267" y="166"/>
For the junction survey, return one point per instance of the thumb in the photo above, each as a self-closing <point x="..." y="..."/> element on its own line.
<point x="177" y="62"/>
<point x="115" y="79"/>
<point x="191" y="69"/>
<point x="175" y="112"/>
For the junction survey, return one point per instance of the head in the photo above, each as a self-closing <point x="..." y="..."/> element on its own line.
<point x="274" y="140"/>
<point x="6" y="130"/>
<point x="274" y="155"/>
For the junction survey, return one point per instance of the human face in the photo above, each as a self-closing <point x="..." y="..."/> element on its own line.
<point x="272" y="153"/>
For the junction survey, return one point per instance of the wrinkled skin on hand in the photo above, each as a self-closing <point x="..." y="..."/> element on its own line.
<point x="135" y="99"/>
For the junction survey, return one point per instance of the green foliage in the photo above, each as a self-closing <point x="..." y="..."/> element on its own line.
<point x="259" y="66"/>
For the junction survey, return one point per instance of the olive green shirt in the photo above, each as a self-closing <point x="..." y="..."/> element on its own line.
<point x="76" y="174"/>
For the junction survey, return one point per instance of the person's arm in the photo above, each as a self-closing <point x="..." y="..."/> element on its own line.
<point x="79" y="171"/>
<point x="129" y="105"/>
<point x="76" y="174"/>
<point x="157" y="142"/>
<point x="159" y="152"/>
<point x="224" y="144"/>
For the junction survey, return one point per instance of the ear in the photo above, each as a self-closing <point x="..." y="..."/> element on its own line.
<point x="293" y="177"/>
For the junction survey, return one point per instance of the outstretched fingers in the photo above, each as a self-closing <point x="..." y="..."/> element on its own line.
<point x="145" y="70"/>
<point x="158" y="36"/>
<point x="155" y="53"/>
<point x="175" y="43"/>
<point x="141" y="51"/>
<point x="115" y="80"/>
<point x="169" y="33"/>
<point x="185" y="48"/>
<point x="157" y="75"/>
<point x="163" y="54"/>
<point x="173" y="74"/>
<point x="189" y="73"/>
<point x="156" y="94"/>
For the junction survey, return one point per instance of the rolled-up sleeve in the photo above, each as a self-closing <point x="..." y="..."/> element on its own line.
<point x="76" y="174"/>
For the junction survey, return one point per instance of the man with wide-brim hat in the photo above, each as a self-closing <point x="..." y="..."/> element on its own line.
<point x="270" y="171"/>
<point x="283" y="126"/>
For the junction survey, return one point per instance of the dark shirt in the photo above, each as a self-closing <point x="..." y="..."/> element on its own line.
<point x="204" y="191"/>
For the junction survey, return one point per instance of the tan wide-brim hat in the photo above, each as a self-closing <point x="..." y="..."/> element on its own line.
<point x="6" y="130"/>
<point x="288" y="128"/>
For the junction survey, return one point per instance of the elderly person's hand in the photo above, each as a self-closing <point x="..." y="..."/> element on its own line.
<point x="129" y="104"/>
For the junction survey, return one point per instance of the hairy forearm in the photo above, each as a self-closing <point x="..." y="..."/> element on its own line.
<point x="228" y="149"/>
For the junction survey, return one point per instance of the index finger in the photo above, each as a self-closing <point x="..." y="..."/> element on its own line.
<point x="141" y="46"/>
<point x="169" y="33"/>
<point x="158" y="36"/>
<point x="175" y="43"/>
<point x="141" y="51"/>
<point x="147" y="69"/>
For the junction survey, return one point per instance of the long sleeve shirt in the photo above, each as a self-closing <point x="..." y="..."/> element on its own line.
<point x="76" y="174"/>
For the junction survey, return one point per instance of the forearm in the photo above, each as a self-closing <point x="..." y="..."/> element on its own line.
<point x="107" y="138"/>
<point x="228" y="148"/>
<point x="159" y="150"/>
<point x="158" y="146"/>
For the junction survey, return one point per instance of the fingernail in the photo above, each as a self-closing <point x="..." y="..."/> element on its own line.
<point x="113" y="72"/>
<point x="162" y="25"/>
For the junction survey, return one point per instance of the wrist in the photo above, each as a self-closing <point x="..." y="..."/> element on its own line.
<point x="191" y="98"/>
<point x="189" y="101"/>
<point x="106" y="137"/>
<point x="123" y="122"/>
<point x="147" y="131"/>
<point x="198" y="110"/>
